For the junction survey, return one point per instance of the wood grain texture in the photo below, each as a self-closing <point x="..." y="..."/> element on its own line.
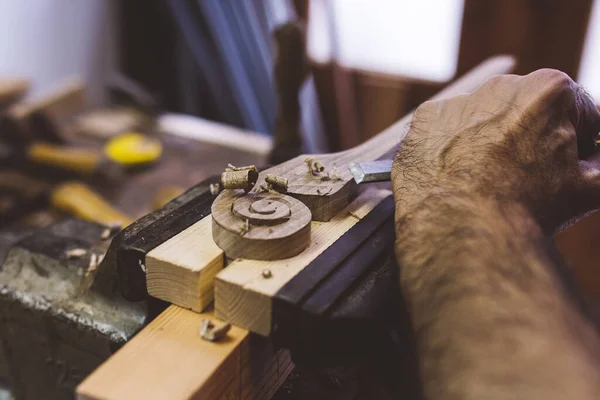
<point x="540" y="34"/>
<point x="169" y="360"/>
<point x="182" y="269"/>
<point x="244" y="297"/>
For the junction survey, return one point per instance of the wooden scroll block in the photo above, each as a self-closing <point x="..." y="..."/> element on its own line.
<point x="243" y="223"/>
<point x="169" y="360"/>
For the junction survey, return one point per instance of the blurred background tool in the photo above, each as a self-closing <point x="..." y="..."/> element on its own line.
<point x="133" y="149"/>
<point x="85" y="162"/>
<point x="27" y="194"/>
<point x="291" y="70"/>
<point x="11" y="90"/>
<point x="39" y="117"/>
<point x="79" y="200"/>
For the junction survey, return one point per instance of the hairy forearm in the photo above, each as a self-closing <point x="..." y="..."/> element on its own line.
<point x="491" y="316"/>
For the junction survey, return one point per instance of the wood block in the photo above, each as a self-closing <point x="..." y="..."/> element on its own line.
<point x="169" y="360"/>
<point x="244" y="297"/>
<point x="63" y="100"/>
<point x="12" y="89"/>
<point x="182" y="269"/>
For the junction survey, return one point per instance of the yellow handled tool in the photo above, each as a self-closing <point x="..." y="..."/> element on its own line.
<point x="79" y="200"/>
<point x="133" y="149"/>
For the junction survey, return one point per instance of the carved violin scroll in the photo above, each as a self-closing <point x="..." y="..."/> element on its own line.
<point x="260" y="226"/>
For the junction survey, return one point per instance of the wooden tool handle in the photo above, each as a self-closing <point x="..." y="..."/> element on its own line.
<point x="81" y="161"/>
<point x="79" y="200"/>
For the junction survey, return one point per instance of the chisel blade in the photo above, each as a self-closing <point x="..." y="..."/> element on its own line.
<point x="371" y="171"/>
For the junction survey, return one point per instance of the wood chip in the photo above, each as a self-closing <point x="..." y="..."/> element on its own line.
<point x="212" y="331"/>
<point x="246" y="168"/>
<point x="215" y="188"/>
<point x="277" y="182"/>
<point x="93" y="264"/>
<point x="75" y="253"/>
<point x="242" y="179"/>
<point x="314" y="166"/>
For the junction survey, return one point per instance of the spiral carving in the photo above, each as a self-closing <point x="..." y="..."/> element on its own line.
<point x="263" y="210"/>
<point x="262" y="226"/>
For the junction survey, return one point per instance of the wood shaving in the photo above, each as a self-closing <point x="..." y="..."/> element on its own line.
<point x="277" y="182"/>
<point x="215" y="188"/>
<point x="93" y="264"/>
<point x="75" y="253"/>
<point x="234" y="168"/>
<point x="245" y="228"/>
<point x="239" y="179"/>
<point x="314" y="166"/>
<point x="323" y="192"/>
<point x="213" y="331"/>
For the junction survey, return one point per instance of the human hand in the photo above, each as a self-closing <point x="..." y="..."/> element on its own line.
<point x="526" y="139"/>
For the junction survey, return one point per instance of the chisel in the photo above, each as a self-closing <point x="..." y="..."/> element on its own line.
<point x="371" y="171"/>
<point x="380" y="170"/>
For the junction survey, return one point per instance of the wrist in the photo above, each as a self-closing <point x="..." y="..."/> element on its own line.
<point x="451" y="229"/>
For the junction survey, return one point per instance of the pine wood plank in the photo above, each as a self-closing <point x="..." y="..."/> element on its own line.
<point x="244" y="297"/>
<point x="182" y="271"/>
<point x="169" y="360"/>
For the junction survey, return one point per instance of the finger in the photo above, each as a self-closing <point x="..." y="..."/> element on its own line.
<point x="585" y="117"/>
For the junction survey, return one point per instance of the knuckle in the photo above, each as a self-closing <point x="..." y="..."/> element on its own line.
<point x="426" y="108"/>
<point x="498" y="80"/>
<point x="495" y="80"/>
<point x="557" y="81"/>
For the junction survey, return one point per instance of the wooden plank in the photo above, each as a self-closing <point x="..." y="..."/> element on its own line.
<point x="381" y="102"/>
<point x="540" y="34"/>
<point x="174" y="274"/>
<point x="169" y="360"/>
<point x="244" y="297"/>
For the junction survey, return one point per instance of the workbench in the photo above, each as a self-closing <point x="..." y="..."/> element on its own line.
<point x="168" y="359"/>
